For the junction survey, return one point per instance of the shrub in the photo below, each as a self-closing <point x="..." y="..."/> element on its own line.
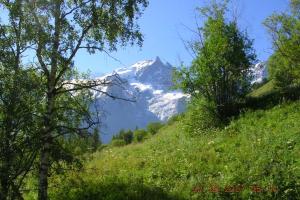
<point x="153" y="128"/>
<point x="119" y="135"/>
<point x="118" y="143"/>
<point x="200" y="117"/>
<point x="127" y="136"/>
<point x="140" y="135"/>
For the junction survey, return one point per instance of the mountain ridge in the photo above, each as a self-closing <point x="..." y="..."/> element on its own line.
<point x="144" y="94"/>
<point x="147" y="87"/>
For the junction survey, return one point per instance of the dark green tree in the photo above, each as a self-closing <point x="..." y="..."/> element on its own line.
<point x="220" y="73"/>
<point x="96" y="140"/>
<point x="119" y="135"/>
<point x="128" y="137"/>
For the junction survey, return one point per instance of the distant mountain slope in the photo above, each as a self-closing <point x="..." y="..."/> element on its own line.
<point x="148" y="83"/>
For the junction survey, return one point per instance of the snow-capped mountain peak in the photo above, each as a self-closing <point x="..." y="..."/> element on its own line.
<point x="149" y="82"/>
<point x="139" y="66"/>
<point x="260" y="72"/>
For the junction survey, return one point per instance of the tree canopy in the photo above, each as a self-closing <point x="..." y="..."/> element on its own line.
<point x="220" y="72"/>
<point x="55" y="31"/>
<point x="284" y="64"/>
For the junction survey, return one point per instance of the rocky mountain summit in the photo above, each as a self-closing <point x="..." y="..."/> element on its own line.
<point x="144" y="94"/>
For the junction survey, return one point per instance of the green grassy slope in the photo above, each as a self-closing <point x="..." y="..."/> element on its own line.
<point x="255" y="157"/>
<point x="267" y="88"/>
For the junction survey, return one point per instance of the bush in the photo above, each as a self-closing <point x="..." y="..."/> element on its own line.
<point x="200" y="117"/>
<point x="127" y="136"/>
<point x="153" y="128"/>
<point x="140" y="135"/>
<point x="118" y="143"/>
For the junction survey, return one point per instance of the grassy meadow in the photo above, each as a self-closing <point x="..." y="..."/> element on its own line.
<point x="255" y="157"/>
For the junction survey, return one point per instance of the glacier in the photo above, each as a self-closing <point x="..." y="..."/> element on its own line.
<point x="144" y="95"/>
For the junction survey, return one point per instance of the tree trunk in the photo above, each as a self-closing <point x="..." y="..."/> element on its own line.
<point x="5" y="169"/>
<point x="46" y="147"/>
<point x="49" y="118"/>
<point x="4" y="189"/>
<point x="16" y="194"/>
<point x="43" y="174"/>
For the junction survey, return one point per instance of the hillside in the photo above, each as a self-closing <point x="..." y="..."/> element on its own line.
<point x="263" y="90"/>
<point x="255" y="157"/>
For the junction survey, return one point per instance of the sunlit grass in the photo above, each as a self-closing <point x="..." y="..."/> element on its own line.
<point x="253" y="157"/>
<point x="265" y="89"/>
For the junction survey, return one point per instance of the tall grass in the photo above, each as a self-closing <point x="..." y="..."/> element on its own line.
<point x="255" y="157"/>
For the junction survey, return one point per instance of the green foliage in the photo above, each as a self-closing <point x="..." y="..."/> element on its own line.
<point x="200" y="117"/>
<point x="140" y="135"/>
<point x="80" y="145"/>
<point x="127" y="136"/>
<point x="284" y="28"/>
<point x="21" y="95"/>
<point x="119" y="135"/>
<point x="95" y="139"/>
<point x="260" y="148"/>
<point x="53" y="32"/>
<point x="18" y="126"/>
<point x="118" y="143"/>
<point x="280" y="70"/>
<point x="154" y="127"/>
<point x="221" y="71"/>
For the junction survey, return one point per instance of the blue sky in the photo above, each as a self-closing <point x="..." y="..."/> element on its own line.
<point x="164" y="25"/>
